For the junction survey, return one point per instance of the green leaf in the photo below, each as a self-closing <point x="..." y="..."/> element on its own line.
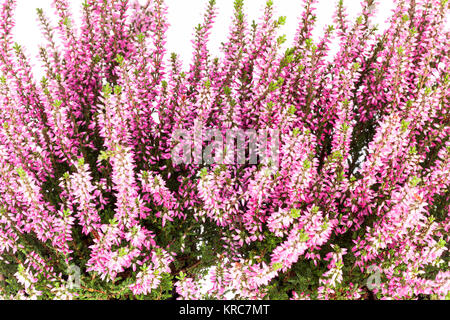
<point x="359" y="20"/>
<point x="277" y="266"/>
<point x="67" y="22"/>
<point x="113" y="221"/>
<point x="107" y="90"/>
<point x="66" y="212"/>
<point x="292" y="109"/>
<point x="203" y="172"/>
<point x="306" y="164"/>
<point x="281" y="39"/>
<point x="404" y="125"/>
<point x="340" y="175"/>
<point x="120" y="59"/>
<point x="273" y="86"/>
<point x="96" y="59"/>
<point x="104" y="155"/>
<point x="141" y="38"/>
<point x="345" y="127"/>
<point x="117" y="90"/>
<point x="21" y="172"/>
<point x="17" y="47"/>
<point x="282" y="20"/>
<point x="337" y="155"/>
<point x="303" y="236"/>
<point x="57" y="103"/>
<point x="295" y="213"/>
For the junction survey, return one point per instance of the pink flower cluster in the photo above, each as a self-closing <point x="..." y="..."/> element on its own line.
<point x="362" y="181"/>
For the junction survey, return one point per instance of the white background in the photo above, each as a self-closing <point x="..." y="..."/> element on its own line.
<point x="184" y="15"/>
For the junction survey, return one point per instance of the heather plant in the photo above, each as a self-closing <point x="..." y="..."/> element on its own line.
<point x="93" y="204"/>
